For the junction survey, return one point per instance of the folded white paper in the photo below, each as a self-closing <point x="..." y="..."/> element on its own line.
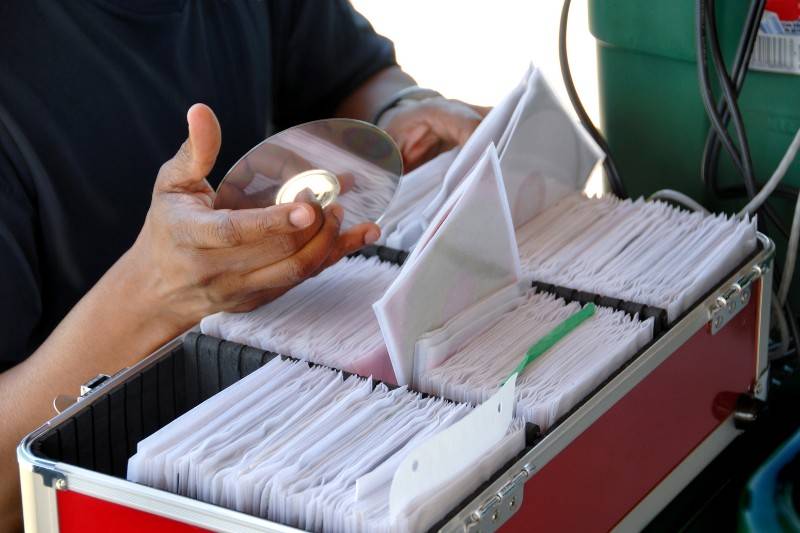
<point x="466" y="255"/>
<point x="415" y="191"/>
<point x="543" y="154"/>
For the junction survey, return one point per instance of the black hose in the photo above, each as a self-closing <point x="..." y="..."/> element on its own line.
<point x="741" y="63"/>
<point x="706" y="91"/>
<point x="708" y="170"/>
<point x="614" y="180"/>
<point x="730" y="97"/>
<point x="705" y="16"/>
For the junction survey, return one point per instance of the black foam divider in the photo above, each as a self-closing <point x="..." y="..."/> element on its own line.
<point x="384" y="253"/>
<point x="658" y="314"/>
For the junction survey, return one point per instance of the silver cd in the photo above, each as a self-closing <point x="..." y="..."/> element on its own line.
<point x="336" y="160"/>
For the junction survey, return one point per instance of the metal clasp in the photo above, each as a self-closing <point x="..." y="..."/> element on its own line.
<point x="93" y="383"/>
<point x="63" y="401"/>
<point x="499" y="507"/>
<point x="728" y="304"/>
<point x="51" y="477"/>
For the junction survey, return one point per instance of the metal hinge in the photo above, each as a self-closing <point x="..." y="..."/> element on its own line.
<point x="498" y="508"/>
<point x="733" y="300"/>
<point x="51" y="477"/>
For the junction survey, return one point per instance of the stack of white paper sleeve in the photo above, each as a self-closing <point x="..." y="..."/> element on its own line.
<point x="306" y="447"/>
<point x="555" y="381"/>
<point x="327" y="319"/>
<point x="645" y="252"/>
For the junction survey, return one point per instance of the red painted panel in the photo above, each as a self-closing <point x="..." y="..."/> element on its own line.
<point x="596" y="480"/>
<point x="79" y="513"/>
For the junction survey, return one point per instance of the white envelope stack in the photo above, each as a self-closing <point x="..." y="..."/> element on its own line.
<point x="327" y="319"/>
<point x="555" y="381"/>
<point x="308" y="448"/>
<point x="644" y="252"/>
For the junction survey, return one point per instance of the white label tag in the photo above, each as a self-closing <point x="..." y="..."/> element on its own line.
<point x="441" y="458"/>
<point x="776" y="53"/>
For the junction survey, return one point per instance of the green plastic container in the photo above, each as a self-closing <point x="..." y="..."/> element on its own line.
<point x="652" y="114"/>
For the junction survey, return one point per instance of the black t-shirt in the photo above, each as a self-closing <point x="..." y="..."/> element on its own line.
<point x="93" y="99"/>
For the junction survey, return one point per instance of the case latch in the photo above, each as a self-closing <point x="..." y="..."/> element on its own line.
<point x="733" y="300"/>
<point x="63" y="401"/>
<point x="499" y="507"/>
<point x="93" y="383"/>
<point x="51" y="477"/>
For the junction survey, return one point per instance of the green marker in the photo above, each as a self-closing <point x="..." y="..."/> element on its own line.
<point x="556" y="334"/>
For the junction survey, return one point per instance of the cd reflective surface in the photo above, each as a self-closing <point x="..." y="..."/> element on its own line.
<point x="338" y="160"/>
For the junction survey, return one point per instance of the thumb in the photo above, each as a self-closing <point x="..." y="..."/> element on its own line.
<point x="196" y="156"/>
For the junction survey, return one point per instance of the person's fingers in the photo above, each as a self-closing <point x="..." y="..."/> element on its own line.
<point x="406" y="129"/>
<point x="226" y="228"/>
<point x="430" y="127"/>
<point x="480" y="109"/>
<point x="205" y="139"/>
<point x="247" y="259"/>
<point x="412" y="136"/>
<point x="351" y="241"/>
<point x="454" y="122"/>
<point x="346" y="182"/>
<point x="187" y="170"/>
<point x="256" y="300"/>
<point x="230" y="196"/>
<point x="426" y="148"/>
<point x="305" y="262"/>
<point x="347" y="243"/>
<point x="253" y="256"/>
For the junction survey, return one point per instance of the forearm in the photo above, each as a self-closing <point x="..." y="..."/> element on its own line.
<point x="111" y="327"/>
<point x="189" y="261"/>
<point x="365" y="101"/>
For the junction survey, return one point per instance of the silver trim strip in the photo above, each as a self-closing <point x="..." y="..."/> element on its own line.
<point x="765" y="312"/>
<point x="39" y="510"/>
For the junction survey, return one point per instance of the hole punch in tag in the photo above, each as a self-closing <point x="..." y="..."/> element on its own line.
<point x="447" y="454"/>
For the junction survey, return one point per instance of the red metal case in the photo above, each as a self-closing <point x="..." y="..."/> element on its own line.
<point x="613" y="462"/>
